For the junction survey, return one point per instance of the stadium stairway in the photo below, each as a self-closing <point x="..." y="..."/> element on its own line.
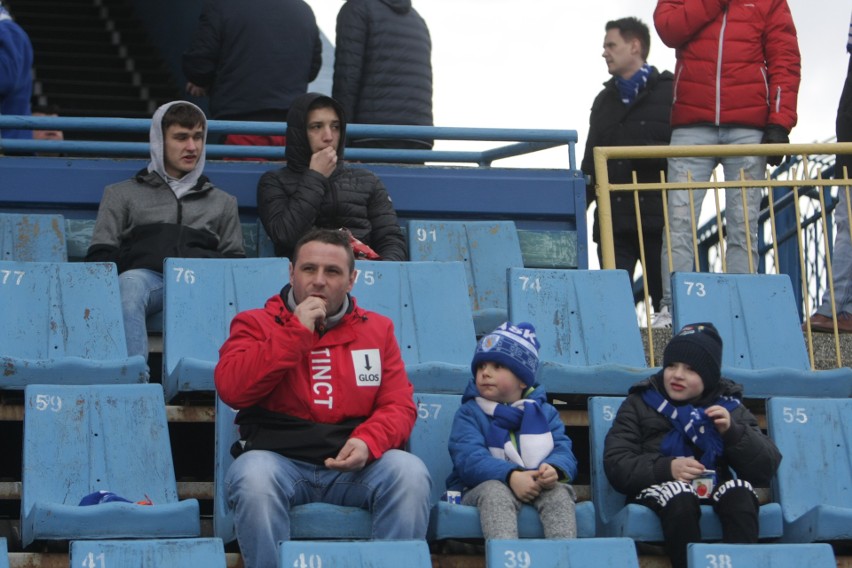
<point x="93" y="58"/>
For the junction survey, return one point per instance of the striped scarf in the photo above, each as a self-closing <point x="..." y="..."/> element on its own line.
<point x="690" y="425"/>
<point x="519" y="432"/>
<point x="629" y="88"/>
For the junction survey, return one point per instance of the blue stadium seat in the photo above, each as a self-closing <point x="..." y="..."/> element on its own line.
<point x="312" y="521"/>
<point x="430" y="309"/>
<point x="759" y="324"/>
<point x="31" y="237"/>
<point x="435" y="413"/>
<point x="813" y="481"/>
<point x="586" y="323"/>
<point x="83" y="439"/>
<point x="538" y="553"/>
<point x="375" y="554"/>
<point x="63" y="325"/>
<point x="4" y="554"/>
<point x="157" y="553"/>
<point x="265" y="248"/>
<point x="615" y="518"/>
<point x="702" y="555"/>
<point x="201" y="297"/>
<point x="487" y="249"/>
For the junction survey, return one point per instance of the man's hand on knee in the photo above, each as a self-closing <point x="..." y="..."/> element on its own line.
<point x="353" y="456"/>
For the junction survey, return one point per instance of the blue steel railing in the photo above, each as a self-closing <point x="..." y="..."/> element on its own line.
<point x="520" y="141"/>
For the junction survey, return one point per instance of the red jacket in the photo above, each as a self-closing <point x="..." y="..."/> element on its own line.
<point x="354" y="370"/>
<point x="738" y="61"/>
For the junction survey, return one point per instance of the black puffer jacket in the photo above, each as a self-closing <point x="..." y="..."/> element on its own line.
<point x="293" y="200"/>
<point x="632" y="459"/>
<point x="383" y="63"/>
<point x="254" y="58"/>
<point x="644" y="123"/>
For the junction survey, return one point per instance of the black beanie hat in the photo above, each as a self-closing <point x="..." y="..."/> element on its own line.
<point x="699" y="346"/>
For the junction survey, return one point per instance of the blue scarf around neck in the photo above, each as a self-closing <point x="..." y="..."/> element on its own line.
<point x="629" y="88"/>
<point x="518" y="433"/>
<point x="691" y="425"/>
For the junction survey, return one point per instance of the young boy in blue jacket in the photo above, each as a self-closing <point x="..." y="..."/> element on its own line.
<point x="508" y="444"/>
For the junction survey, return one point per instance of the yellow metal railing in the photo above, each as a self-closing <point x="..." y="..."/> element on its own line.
<point x="798" y="179"/>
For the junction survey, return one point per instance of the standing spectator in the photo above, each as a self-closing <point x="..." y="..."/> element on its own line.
<point x="317" y="190"/>
<point x="632" y="110"/>
<point x="736" y="82"/>
<point x="253" y="59"/>
<point x="842" y="259"/>
<point x="325" y="407"/>
<point x="383" y="68"/>
<point x="16" y="79"/>
<point x="168" y="209"/>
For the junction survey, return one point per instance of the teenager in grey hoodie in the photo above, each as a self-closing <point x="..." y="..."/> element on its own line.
<point x="168" y="209"/>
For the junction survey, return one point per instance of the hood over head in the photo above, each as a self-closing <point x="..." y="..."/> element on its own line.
<point x="157" y="164"/>
<point x="298" y="152"/>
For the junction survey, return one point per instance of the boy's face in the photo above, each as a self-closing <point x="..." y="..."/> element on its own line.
<point x="682" y="383"/>
<point x="323" y="129"/>
<point x="182" y="149"/>
<point x="496" y="382"/>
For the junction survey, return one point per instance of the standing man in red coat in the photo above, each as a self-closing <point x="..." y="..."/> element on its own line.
<point x="736" y="82"/>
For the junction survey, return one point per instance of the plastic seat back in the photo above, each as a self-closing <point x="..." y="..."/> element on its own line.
<point x="582" y="317"/>
<point x="813" y="481"/>
<point x="63" y="324"/>
<point x="376" y="554"/>
<point x="206" y="552"/>
<point x="597" y="552"/>
<point x="83" y="439"/>
<point x="487" y="249"/>
<point x="700" y="555"/>
<point x="201" y="297"/>
<point x="608" y="501"/>
<point x="755" y="314"/>
<point x="32" y="237"/>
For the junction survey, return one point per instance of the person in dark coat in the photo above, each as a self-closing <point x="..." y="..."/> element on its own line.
<point x="383" y="68"/>
<point x="317" y="190"/>
<point x="253" y="59"/>
<point x="633" y="109"/>
<point x="683" y="437"/>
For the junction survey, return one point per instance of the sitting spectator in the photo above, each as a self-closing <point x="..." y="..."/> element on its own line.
<point x="168" y="209"/>
<point x="317" y="190"/>
<point x="52" y="134"/>
<point x="508" y="443"/>
<point x="325" y="407"/>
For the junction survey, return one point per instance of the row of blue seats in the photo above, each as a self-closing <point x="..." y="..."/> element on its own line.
<point x="487" y="249"/>
<point x="598" y="552"/>
<point x="82" y="439"/>
<point x="63" y="324"/>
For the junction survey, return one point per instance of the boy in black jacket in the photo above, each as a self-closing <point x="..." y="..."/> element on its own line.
<point x="682" y="437"/>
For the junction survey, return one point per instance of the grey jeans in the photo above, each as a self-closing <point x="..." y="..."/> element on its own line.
<point x="499" y="508"/>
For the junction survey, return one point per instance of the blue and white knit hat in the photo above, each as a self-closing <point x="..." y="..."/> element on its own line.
<point x="514" y="346"/>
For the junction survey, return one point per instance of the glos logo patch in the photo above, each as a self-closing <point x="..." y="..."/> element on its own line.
<point x="368" y="367"/>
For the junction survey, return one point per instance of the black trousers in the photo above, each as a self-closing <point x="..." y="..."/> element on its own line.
<point x="679" y="509"/>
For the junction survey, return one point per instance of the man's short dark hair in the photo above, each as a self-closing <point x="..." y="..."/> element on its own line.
<point x="184" y="114"/>
<point x="48" y="109"/>
<point x="633" y="28"/>
<point x="329" y="237"/>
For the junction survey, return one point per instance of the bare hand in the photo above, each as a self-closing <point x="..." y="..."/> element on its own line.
<point x="324" y="161"/>
<point x="352" y="456"/>
<point x="686" y="469"/>
<point x="523" y="484"/>
<point x="720" y="416"/>
<point x="311" y="312"/>
<point x="195" y="90"/>
<point x="547" y="476"/>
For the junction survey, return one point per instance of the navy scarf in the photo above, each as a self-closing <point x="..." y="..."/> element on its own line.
<point x="629" y="88"/>
<point x="691" y="425"/>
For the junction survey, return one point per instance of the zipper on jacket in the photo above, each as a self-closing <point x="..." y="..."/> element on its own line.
<point x="719" y="68"/>
<point x="778" y="100"/>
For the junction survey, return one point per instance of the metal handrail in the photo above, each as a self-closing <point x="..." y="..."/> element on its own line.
<point x="521" y="141"/>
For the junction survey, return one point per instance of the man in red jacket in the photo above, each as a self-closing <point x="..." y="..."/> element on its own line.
<point x="324" y="407"/>
<point x="736" y="82"/>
